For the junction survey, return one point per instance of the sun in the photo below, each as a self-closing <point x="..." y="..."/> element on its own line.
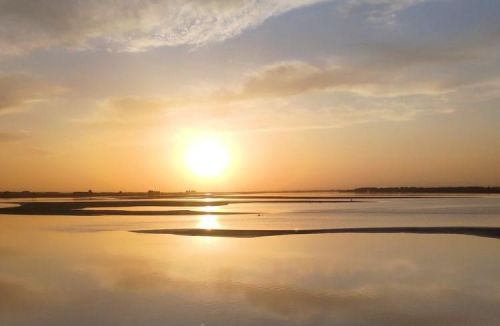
<point x="207" y="157"/>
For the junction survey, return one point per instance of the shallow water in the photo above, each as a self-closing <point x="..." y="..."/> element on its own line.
<point x="92" y="271"/>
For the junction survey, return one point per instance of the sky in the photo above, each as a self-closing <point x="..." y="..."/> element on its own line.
<point x="107" y="95"/>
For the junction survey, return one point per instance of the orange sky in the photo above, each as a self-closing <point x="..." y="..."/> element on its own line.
<point x="302" y="94"/>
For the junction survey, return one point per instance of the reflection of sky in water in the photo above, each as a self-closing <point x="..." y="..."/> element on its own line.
<point x="49" y="276"/>
<point x="479" y="211"/>
<point x="159" y="208"/>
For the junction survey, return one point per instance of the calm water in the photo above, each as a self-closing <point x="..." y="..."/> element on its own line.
<point x="92" y="271"/>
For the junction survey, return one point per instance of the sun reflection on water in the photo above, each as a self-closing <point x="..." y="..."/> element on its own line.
<point x="208" y="222"/>
<point x="210" y="209"/>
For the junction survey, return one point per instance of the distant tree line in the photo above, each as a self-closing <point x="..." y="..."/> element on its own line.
<point x="32" y="194"/>
<point x="453" y="190"/>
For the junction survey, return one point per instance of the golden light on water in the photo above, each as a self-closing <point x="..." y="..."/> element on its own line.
<point x="208" y="222"/>
<point x="207" y="157"/>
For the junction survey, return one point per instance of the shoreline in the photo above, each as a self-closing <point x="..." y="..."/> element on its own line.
<point x="487" y="232"/>
<point x="78" y="207"/>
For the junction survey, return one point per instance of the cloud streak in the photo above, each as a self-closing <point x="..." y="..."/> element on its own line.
<point x="7" y="137"/>
<point x="131" y="25"/>
<point x="19" y="90"/>
<point x="379" y="11"/>
<point x="284" y="79"/>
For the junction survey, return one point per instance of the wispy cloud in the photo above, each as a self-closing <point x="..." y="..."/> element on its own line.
<point x="7" y="137"/>
<point x="379" y="11"/>
<point x="19" y="90"/>
<point x="130" y="25"/>
<point x="298" y="94"/>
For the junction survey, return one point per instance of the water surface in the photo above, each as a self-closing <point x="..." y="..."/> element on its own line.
<point x="84" y="270"/>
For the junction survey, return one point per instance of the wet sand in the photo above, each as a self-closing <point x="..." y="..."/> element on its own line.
<point x="488" y="232"/>
<point x="77" y="207"/>
<point x="81" y="207"/>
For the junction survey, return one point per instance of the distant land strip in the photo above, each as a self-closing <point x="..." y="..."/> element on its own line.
<point x="195" y="194"/>
<point x="488" y="232"/>
<point x="79" y="207"/>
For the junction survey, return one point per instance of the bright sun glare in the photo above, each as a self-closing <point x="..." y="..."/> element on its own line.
<point x="207" y="157"/>
<point x="208" y="222"/>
